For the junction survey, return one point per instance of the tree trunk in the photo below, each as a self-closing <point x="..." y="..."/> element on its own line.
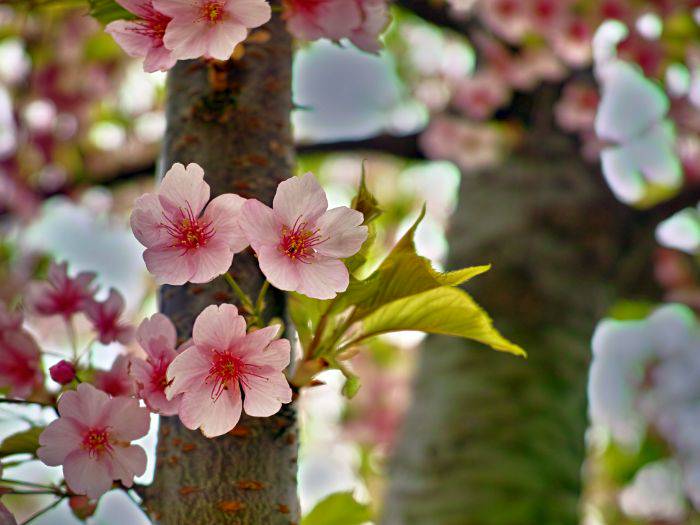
<point x="233" y="119"/>
<point x="490" y="439"/>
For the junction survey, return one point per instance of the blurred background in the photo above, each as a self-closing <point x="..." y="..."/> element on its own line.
<point x="556" y="139"/>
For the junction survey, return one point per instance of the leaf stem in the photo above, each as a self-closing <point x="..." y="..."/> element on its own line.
<point x="245" y="300"/>
<point x="26" y="483"/>
<point x="260" y="303"/>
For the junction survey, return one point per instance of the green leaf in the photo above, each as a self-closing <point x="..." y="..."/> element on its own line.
<point x="25" y="442"/>
<point x="306" y="315"/>
<point x="106" y="11"/>
<point x="444" y="310"/>
<point x="365" y="202"/>
<point x="352" y="385"/>
<point x="402" y="274"/>
<point x="340" y="508"/>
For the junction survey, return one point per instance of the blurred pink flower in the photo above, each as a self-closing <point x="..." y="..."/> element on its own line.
<point x="20" y="363"/>
<point x="182" y="243"/>
<point x="62" y="372"/>
<point x="116" y="381"/>
<point x="221" y="361"/>
<point x="480" y="95"/>
<point x="105" y="319"/>
<point x="60" y="294"/>
<point x="9" y="320"/>
<point x="92" y="440"/>
<point x="572" y="42"/>
<point x="210" y="28"/>
<point x="299" y="242"/>
<point x="576" y="109"/>
<point x="143" y="37"/>
<point x="362" y="21"/>
<point x="506" y="18"/>
<point x="158" y="338"/>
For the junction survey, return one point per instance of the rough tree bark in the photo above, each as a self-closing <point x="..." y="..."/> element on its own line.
<point x="490" y="439"/>
<point x="233" y="119"/>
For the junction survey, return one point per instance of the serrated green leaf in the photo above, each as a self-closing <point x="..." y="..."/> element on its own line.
<point x="365" y="202"/>
<point x="106" y="11"/>
<point x="444" y="310"/>
<point x="402" y="274"/>
<point x="340" y="508"/>
<point x="25" y="442"/>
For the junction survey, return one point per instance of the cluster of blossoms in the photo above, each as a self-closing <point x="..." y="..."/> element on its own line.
<point x="643" y="385"/>
<point x="165" y="31"/>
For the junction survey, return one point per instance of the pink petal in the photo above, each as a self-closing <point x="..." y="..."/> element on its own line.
<point x="258" y="224"/>
<point x="323" y="277"/>
<point x="129" y="35"/>
<point x="178" y="8"/>
<point x="128" y="462"/>
<point x="184" y="188"/>
<point x="188" y="371"/>
<point x="186" y="38"/>
<point x="224" y="37"/>
<point x="264" y="395"/>
<point x="158" y="58"/>
<point x="169" y="265"/>
<point x="254" y="342"/>
<point x="299" y="199"/>
<point x="127" y="420"/>
<point x="138" y="7"/>
<point x="280" y="270"/>
<point x="147" y="219"/>
<point x="86" y="475"/>
<point x="250" y="13"/>
<point x="276" y="355"/>
<point x="217" y="326"/>
<point x="59" y="439"/>
<point x="223" y="414"/>
<point x="156" y="335"/>
<point x="341" y="227"/>
<point x="87" y="404"/>
<point x="194" y="404"/>
<point x="210" y="261"/>
<point x="223" y="212"/>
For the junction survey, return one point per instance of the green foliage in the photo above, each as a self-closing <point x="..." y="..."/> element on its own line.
<point x="106" y="11"/>
<point x="444" y="310"/>
<point x="340" y="508"/>
<point x="25" y="442"/>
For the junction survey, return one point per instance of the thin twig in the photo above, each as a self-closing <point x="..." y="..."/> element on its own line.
<point x="43" y="511"/>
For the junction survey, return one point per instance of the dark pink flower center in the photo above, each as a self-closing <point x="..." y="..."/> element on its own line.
<point x="153" y="24"/>
<point x="298" y="242"/>
<point x="96" y="442"/>
<point x="212" y="11"/>
<point x="159" y="378"/>
<point x="189" y="232"/>
<point x="225" y="369"/>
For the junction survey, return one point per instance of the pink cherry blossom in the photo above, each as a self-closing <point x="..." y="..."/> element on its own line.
<point x="105" y="317"/>
<point x="362" y="21"/>
<point x="210" y="28"/>
<point x="182" y="243"/>
<point x="143" y="37"/>
<point x="60" y="294"/>
<point x="92" y="440"/>
<point x="116" y="381"/>
<point x="576" y="110"/>
<point x="222" y="360"/>
<point x="507" y="18"/>
<point x="158" y="338"/>
<point x="62" y="372"/>
<point x="299" y="242"/>
<point x="20" y="363"/>
<point x="479" y="96"/>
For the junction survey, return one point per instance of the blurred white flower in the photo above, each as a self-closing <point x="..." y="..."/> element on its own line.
<point x="643" y="164"/>
<point x="681" y="231"/>
<point x="656" y="493"/>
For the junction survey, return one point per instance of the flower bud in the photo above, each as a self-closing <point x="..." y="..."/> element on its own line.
<point x="62" y="372"/>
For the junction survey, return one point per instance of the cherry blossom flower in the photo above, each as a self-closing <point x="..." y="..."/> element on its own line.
<point x="481" y="95"/>
<point x="92" y="440"/>
<point x="362" y="21"/>
<point x="222" y="360"/>
<point x="506" y="18"/>
<point x="105" y="318"/>
<point x="60" y="294"/>
<point x="210" y="28"/>
<point x="62" y="372"/>
<point x="116" y="381"/>
<point x="576" y="110"/>
<point x="299" y="242"/>
<point x="20" y="363"/>
<point x="182" y="243"/>
<point x="158" y="338"/>
<point x="143" y="37"/>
